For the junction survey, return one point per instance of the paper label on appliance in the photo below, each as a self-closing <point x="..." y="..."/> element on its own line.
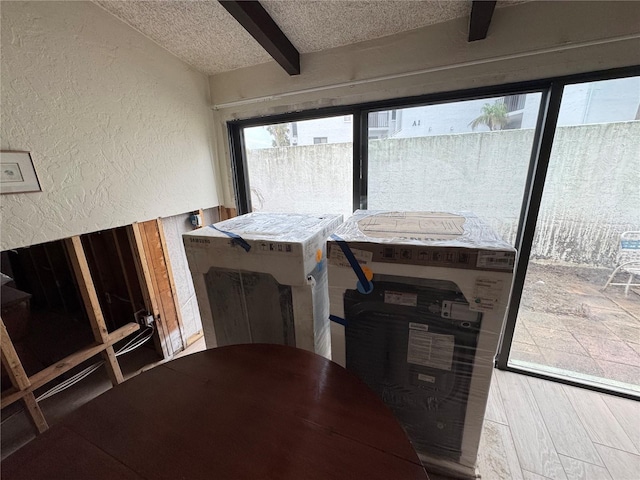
<point x="419" y="326"/>
<point x="430" y="349"/>
<point x="426" y="378"/>
<point x="338" y="258"/>
<point x="486" y="294"/>
<point x="500" y="260"/>
<point x="401" y="298"/>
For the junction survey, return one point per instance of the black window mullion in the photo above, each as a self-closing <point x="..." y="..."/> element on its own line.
<point x="363" y="139"/>
<point x="239" y="169"/>
<point x="357" y="157"/>
<point x="541" y="153"/>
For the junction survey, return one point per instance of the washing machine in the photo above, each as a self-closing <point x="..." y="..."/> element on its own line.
<point x="414" y="345"/>
<point x="262" y="278"/>
<point x="418" y="301"/>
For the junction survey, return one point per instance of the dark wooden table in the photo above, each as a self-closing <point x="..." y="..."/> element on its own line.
<point x="237" y="412"/>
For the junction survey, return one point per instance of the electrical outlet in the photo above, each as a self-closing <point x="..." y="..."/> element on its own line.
<point x="145" y="319"/>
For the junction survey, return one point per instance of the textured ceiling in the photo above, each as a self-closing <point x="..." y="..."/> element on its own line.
<point x="203" y="34"/>
<point x="313" y="25"/>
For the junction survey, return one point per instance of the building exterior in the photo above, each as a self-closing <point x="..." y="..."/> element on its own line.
<point x="587" y="103"/>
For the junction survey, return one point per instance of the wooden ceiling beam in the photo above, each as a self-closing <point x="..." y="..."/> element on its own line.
<point x="481" y="13"/>
<point x="255" y="20"/>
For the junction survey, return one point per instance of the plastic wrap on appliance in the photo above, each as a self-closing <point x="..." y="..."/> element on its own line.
<point x="433" y="377"/>
<point x="437" y="229"/>
<point x="425" y="338"/>
<point x="285" y="227"/>
<point x="321" y="326"/>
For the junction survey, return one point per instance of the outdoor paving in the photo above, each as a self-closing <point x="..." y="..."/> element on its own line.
<point x="566" y="322"/>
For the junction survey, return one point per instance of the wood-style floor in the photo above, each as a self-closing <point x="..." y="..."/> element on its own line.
<point x="536" y="429"/>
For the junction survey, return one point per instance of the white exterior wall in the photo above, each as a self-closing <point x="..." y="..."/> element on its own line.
<point x="119" y="129"/>
<point x="336" y="129"/>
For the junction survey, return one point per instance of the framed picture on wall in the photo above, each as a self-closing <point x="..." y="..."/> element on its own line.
<point x="17" y="174"/>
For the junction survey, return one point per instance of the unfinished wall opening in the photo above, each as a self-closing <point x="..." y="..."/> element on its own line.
<point x="42" y="307"/>
<point x="113" y="270"/>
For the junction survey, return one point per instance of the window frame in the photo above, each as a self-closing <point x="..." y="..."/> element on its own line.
<point x="551" y="89"/>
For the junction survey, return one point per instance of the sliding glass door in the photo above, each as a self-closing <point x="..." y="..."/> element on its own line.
<point x="573" y="320"/>
<point x="552" y="165"/>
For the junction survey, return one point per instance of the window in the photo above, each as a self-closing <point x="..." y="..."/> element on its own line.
<point x="568" y="324"/>
<point x="516" y="155"/>
<point x="422" y="166"/>
<point x="291" y="169"/>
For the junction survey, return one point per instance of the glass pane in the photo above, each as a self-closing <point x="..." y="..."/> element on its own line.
<point x="466" y="156"/>
<point x="302" y="167"/>
<point x="569" y="324"/>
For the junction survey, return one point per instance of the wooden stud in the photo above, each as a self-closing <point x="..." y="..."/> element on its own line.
<point x="201" y="213"/>
<point x="222" y="214"/>
<point x="225" y="213"/>
<point x="137" y="246"/>
<point x="12" y="362"/>
<point x="53" y="371"/>
<point x="92" y="305"/>
<point x="157" y="268"/>
<point x="19" y="379"/>
<point x="136" y="237"/>
<point x="35" y="414"/>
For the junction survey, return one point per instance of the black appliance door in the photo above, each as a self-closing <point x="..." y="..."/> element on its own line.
<point x="417" y="361"/>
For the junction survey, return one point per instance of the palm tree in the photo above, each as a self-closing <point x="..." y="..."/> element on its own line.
<point x="280" y="134"/>
<point x="493" y="116"/>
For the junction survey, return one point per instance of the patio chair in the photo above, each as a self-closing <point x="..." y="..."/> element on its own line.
<point x="628" y="260"/>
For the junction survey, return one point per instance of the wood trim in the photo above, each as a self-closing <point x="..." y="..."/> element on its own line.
<point x="92" y="305"/>
<point x="53" y="371"/>
<point x="194" y="338"/>
<point x="172" y="283"/>
<point x="225" y="213"/>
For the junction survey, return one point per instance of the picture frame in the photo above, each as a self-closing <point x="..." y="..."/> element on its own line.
<point x="17" y="173"/>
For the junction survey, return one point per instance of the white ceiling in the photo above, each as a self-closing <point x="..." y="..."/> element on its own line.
<point x="205" y="35"/>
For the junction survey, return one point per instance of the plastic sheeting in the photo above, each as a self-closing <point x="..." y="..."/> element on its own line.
<point x="262" y="278"/>
<point x="424" y="337"/>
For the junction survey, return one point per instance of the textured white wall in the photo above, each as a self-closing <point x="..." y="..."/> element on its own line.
<point x="119" y="129"/>
<point x="521" y="45"/>
<point x="591" y="196"/>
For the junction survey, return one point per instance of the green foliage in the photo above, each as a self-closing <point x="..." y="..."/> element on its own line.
<point x="280" y="134"/>
<point x="493" y="116"/>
